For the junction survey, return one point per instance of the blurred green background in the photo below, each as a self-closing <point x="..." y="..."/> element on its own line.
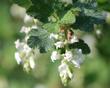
<point x="94" y="73"/>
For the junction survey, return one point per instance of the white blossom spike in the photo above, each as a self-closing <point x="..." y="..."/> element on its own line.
<point x="65" y="72"/>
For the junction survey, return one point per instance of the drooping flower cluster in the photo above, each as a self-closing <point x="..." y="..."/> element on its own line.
<point x="69" y="57"/>
<point x="65" y="72"/>
<point x="25" y="55"/>
<point x="62" y="42"/>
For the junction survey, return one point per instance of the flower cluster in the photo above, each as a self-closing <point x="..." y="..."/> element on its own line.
<point x="61" y="40"/>
<point x="25" y="55"/>
<point x="65" y="72"/>
<point x="59" y="19"/>
<point x="69" y="57"/>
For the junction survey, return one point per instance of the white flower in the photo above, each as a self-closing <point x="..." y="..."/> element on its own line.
<point x="55" y="56"/>
<point x="22" y="46"/>
<point x="25" y="29"/>
<point x="73" y="40"/>
<point x="31" y="62"/>
<point x="68" y="56"/>
<point x="77" y="58"/>
<point x="53" y="36"/>
<point x="17" y="57"/>
<point x="65" y="72"/>
<point x="76" y="63"/>
<point x="17" y="43"/>
<point x="59" y="44"/>
<point x="26" y="49"/>
<point x="24" y="55"/>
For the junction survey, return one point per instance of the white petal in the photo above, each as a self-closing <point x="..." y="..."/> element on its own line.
<point x="59" y="44"/>
<point x="62" y="67"/>
<point x="27" y="49"/>
<point x="76" y="63"/>
<point x="17" y="43"/>
<point x="17" y="57"/>
<point x="74" y="39"/>
<point x="55" y="56"/>
<point x="32" y="63"/>
<point x="69" y="73"/>
<point x="68" y="56"/>
<point x="53" y="36"/>
<point x="64" y="71"/>
<point x="78" y="57"/>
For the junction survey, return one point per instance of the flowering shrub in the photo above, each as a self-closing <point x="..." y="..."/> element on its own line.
<point x="51" y="26"/>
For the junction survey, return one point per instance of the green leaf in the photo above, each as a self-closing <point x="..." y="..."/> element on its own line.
<point x="84" y="23"/>
<point x="50" y="27"/>
<point x="23" y="3"/>
<point x="69" y="18"/>
<point x="41" y="9"/>
<point x="88" y="16"/>
<point x="39" y="12"/>
<point x="86" y="20"/>
<point x="98" y="16"/>
<point x="33" y="41"/>
<point x="61" y="8"/>
<point x="90" y="4"/>
<point x="40" y="38"/>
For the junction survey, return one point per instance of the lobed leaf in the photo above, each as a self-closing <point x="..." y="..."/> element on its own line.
<point x="68" y="18"/>
<point x="40" y="38"/>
